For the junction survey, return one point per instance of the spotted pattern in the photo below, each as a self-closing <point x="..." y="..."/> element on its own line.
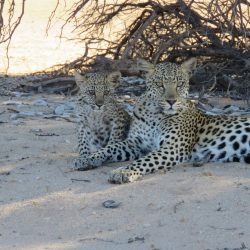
<point x="101" y="120"/>
<point x="148" y="133"/>
<point x="190" y="134"/>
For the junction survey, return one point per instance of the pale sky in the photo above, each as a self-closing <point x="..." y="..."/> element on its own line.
<point x="30" y="49"/>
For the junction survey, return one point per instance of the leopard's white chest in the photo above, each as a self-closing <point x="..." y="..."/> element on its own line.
<point x="146" y="125"/>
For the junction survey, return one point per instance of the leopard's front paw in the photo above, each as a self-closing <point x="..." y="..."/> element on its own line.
<point x="95" y="160"/>
<point x="81" y="164"/>
<point x="123" y="175"/>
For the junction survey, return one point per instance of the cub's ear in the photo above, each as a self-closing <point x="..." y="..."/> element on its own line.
<point x="146" y="67"/>
<point x="189" y="65"/>
<point x="79" y="78"/>
<point x="114" y="78"/>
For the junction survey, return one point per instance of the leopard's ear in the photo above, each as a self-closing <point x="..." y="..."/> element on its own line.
<point x="145" y="67"/>
<point x="189" y="65"/>
<point x="79" y="78"/>
<point x="114" y="78"/>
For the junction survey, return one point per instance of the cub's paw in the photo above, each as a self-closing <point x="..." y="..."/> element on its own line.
<point x="81" y="164"/>
<point x="123" y="175"/>
<point x="95" y="160"/>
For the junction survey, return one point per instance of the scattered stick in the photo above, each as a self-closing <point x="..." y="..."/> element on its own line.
<point x="58" y="116"/>
<point x="221" y="228"/>
<point x="136" y="238"/>
<point x="84" y="180"/>
<point x="177" y="205"/>
<point x="13" y="110"/>
<point x="103" y="240"/>
<point x="46" y="134"/>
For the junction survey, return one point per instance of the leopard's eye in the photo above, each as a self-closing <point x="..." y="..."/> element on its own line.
<point x="180" y="84"/>
<point x="107" y="91"/>
<point x="159" y="83"/>
<point x="91" y="91"/>
<point x="157" y="80"/>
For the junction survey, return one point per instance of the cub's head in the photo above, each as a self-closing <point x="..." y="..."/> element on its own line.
<point x="97" y="88"/>
<point x="164" y="74"/>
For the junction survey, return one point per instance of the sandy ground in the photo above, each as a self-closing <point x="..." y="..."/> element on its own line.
<point x="44" y="205"/>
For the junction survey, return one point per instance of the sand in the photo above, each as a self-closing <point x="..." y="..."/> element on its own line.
<point x="44" y="205"/>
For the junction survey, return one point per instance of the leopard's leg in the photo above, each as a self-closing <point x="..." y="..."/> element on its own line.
<point x="85" y="139"/>
<point x="119" y="131"/>
<point x="152" y="162"/>
<point x="116" y="135"/>
<point x="127" y="150"/>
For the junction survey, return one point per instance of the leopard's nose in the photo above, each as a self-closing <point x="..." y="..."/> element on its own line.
<point x="171" y="102"/>
<point x="99" y="105"/>
<point x="99" y="102"/>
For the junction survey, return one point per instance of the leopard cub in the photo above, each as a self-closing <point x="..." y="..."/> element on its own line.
<point x="101" y="120"/>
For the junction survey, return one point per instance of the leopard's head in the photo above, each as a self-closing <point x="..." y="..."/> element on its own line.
<point x="97" y="88"/>
<point x="172" y="103"/>
<point x="163" y="74"/>
<point x="169" y="80"/>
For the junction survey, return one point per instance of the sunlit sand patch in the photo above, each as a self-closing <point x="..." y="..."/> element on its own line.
<point x="51" y="245"/>
<point x="30" y="50"/>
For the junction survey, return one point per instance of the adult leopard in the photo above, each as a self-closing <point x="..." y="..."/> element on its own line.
<point x="190" y="135"/>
